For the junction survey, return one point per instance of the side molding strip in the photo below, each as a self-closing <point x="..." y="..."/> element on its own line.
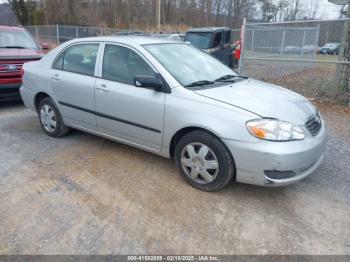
<point x="109" y="117"/>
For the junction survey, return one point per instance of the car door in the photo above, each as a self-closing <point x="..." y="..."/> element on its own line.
<point x="227" y="48"/>
<point x="217" y="45"/>
<point x="124" y="111"/>
<point x="73" y="83"/>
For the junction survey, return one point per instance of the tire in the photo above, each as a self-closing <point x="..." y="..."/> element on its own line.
<point x="217" y="156"/>
<point x="50" y="118"/>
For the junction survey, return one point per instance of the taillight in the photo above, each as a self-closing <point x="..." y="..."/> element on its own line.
<point x="22" y="72"/>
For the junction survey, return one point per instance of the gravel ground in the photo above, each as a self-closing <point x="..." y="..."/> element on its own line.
<point x="86" y="195"/>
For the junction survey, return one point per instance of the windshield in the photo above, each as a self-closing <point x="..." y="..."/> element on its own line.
<point x="188" y="64"/>
<point x="199" y="40"/>
<point x="19" y="39"/>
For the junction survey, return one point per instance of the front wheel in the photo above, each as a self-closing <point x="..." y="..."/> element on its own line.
<point x="203" y="161"/>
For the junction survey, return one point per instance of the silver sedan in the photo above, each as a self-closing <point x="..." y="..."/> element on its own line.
<point x="176" y="101"/>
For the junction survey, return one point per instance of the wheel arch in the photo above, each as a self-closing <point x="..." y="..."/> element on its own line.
<point x="38" y="97"/>
<point x="183" y="131"/>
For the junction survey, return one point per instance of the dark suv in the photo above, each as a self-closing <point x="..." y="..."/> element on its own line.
<point x="213" y="40"/>
<point x="330" y="49"/>
<point x="16" y="48"/>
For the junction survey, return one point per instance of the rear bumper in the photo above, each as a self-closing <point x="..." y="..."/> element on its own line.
<point x="9" y="92"/>
<point x="277" y="163"/>
<point x="27" y="97"/>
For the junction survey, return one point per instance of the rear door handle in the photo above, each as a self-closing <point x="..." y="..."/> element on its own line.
<point x="56" y="77"/>
<point x="103" y="88"/>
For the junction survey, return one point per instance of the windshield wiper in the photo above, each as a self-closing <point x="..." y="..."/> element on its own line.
<point x="18" y="47"/>
<point x="200" y="83"/>
<point x="229" y="78"/>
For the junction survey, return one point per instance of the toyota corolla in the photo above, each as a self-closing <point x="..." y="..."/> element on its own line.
<point x="174" y="100"/>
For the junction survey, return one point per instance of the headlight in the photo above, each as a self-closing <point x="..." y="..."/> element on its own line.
<point x="275" y="130"/>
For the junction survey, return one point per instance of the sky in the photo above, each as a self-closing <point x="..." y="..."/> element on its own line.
<point x="327" y="10"/>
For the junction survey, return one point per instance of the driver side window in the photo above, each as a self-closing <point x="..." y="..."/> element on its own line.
<point x="121" y="64"/>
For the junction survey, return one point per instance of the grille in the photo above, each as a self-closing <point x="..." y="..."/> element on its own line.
<point x="314" y="124"/>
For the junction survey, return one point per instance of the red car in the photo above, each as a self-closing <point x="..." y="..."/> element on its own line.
<point x="16" y="48"/>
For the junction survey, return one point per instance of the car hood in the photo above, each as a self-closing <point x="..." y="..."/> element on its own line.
<point x="263" y="99"/>
<point x="19" y="54"/>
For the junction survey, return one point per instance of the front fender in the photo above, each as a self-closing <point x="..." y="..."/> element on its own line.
<point x="224" y="121"/>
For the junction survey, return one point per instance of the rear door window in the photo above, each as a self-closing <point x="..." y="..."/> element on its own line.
<point x="80" y="58"/>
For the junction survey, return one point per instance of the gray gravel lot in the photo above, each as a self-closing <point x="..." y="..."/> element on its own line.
<point x="86" y="195"/>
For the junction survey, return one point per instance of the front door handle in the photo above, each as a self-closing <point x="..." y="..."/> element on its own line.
<point x="103" y="88"/>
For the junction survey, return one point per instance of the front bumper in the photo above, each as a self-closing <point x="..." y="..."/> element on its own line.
<point x="9" y="92"/>
<point x="298" y="157"/>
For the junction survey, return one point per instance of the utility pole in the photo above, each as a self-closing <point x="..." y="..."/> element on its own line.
<point x="158" y="16"/>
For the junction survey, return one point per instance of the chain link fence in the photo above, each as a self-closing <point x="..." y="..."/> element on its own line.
<point x="308" y="57"/>
<point x="57" y="34"/>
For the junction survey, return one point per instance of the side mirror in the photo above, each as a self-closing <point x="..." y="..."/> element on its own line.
<point x="149" y="82"/>
<point x="45" y="46"/>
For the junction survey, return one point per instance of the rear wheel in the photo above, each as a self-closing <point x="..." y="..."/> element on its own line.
<point x="50" y="118"/>
<point x="203" y="161"/>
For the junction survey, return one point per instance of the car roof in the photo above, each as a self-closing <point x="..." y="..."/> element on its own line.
<point x="11" y="28"/>
<point x="130" y="40"/>
<point x="208" y="29"/>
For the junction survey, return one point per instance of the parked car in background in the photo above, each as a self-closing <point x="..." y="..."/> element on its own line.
<point x="174" y="100"/>
<point x="309" y="49"/>
<point x="215" y="41"/>
<point x="16" y="48"/>
<point x="176" y="37"/>
<point x="292" y="50"/>
<point x="330" y="49"/>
